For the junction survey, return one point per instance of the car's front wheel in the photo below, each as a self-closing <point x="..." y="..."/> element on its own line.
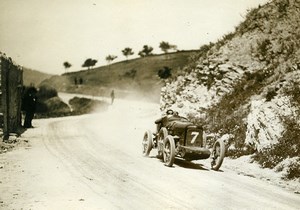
<point x="169" y="151"/>
<point x="160" y="141"/>
<point x="147" y="143"/>
<point x="218" y="154"/>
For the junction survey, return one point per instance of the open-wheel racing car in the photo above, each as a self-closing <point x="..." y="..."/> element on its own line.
<point x="178" y="137"/>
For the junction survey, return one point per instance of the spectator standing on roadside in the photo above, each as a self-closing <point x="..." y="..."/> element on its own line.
<point x="112" y="95"/>
<point x="29" y="106"/>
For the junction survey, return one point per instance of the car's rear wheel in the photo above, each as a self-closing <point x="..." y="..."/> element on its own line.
<point x="160" y="141"/>
<point x="147" y="143"/>
<point x="218" y="154"/>
<point x="169" y="151"/>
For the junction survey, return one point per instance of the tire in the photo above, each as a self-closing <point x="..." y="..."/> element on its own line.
<point x="218" y="154"/>
<point x="169" y="151"/>
<point x="160" y="141"/>
<point x="147" y="143"/>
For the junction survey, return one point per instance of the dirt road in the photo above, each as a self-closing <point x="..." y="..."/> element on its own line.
<point x="94" y="162"/>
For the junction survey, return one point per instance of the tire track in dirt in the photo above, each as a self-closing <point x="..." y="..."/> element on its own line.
<point x="95" y="171"/>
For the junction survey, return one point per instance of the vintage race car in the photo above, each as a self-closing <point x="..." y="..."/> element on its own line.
<point x="177" y="137"/>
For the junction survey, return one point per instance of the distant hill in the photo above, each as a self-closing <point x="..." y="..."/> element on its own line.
<point x="132" y="78"/>
<point x="34" y="77"/>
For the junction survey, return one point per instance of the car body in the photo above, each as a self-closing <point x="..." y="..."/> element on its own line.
<point x="178" y="137"/>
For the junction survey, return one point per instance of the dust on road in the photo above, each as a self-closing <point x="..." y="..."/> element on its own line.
<point x="95" y="161"/>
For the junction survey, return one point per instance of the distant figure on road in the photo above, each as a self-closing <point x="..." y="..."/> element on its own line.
<point x="112" y="95"/>
<point x="29" y="106"/>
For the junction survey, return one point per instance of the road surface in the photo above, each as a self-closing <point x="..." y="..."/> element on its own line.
<point x="94" y="161"/>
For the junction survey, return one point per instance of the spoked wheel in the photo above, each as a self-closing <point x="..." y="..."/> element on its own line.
<point x="147" y="143"/>
<point x="169" y="151"/>
<point x="160" y="141"/>
<point x="218" y="154"/>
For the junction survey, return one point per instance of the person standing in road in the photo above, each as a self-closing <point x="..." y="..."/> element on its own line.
<point x="112" y="95"/>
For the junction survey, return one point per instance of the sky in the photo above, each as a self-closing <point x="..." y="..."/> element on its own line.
<point x="43" y="34"/>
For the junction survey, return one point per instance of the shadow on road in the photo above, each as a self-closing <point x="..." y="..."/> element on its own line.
<point x="188" y="164"/>
<point x="184" y="163"/>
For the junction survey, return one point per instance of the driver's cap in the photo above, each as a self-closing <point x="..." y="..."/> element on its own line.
<point x="169" y="112"/>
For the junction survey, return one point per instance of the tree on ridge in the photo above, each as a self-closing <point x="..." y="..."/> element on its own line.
<point x="89" y="63"/>
<point x="146" y="51"/>
<point x="127" y="52"/>
<point x="67" y="65"/>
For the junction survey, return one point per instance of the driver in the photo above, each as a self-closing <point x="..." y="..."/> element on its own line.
<point x="167" y="119"/>
<point x="163" y="120"/>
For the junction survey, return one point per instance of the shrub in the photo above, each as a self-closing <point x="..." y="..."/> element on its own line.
<point x="228" y="36"/>
<point x="210" y="81"/>
<point x="268" y="157"/>
<point x="282" y="7"/>
<point x="130" y="74"/>
<point x="45" y="92"/>
<point x="55" y="105"/>
<point x="260" y="75"/>
<point x="252" y="21"/>
<point x="270" y="95"/>
<point x="293" y="170"/>
<point x="293" y="90"/>
<point x="41" y="107"/>
<point x="263" y="47"/>
<point x="205" y="48"/>
<point x="288" y="146"/>
<point x="85" y="105"/>
<point x="52" y="107"/>
<point x="164" y="73"/>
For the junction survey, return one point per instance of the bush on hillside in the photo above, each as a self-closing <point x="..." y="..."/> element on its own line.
<point x="252" y="21"/>
<point x="228" y="116"/>
<point x="52" y="107"/>
<point x="45" y="92"/>
<point x="130" y="74"/>
<point x="43" y="109"/>
<point x="263" y="47"/>
<point x="204" y="49"/>
<point x="86" y="105"/>
<point x="164" y="73"/>
<point x="293" y="91"/>
<point x="288" y="146"/>
<point x="293" y="170"/>
<point x="282" y="7"/>
<point x="49" y="104"/>
<point x="259" y="76"/>
<point x="270" y="95"/>
<point x="221" y="42"/>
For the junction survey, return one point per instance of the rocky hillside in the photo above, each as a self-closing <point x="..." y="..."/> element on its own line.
<point x="246" y="86"/>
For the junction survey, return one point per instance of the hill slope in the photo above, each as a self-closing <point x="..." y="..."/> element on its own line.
<point x="246" y="87"/>
<point x="34" y="77"/>
<point x="137" y="77"/>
